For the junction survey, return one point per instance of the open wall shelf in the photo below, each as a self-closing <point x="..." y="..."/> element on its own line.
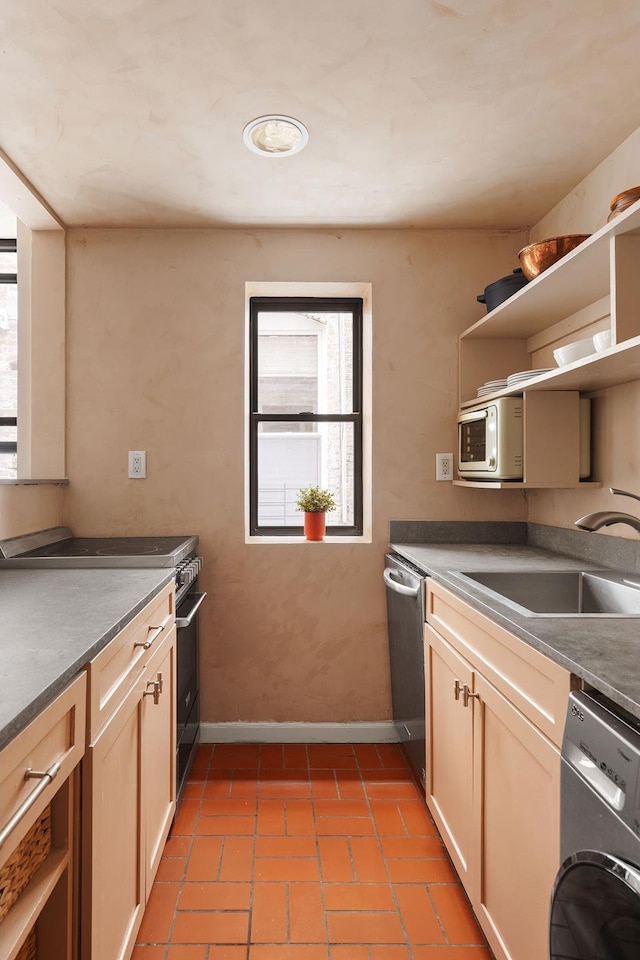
<point x="595" y="287"/>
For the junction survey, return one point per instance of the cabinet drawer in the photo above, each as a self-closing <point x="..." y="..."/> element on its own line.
<point x="116" y="667"/>
<point x="533" y="682"/>
<point x="57" y="735"/>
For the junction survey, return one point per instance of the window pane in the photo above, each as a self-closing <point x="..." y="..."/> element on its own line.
<point x="8" y="374"/>
<point x="289" y="458"/>
<point x="305" y="362"/>
<point x="8" y="261"/>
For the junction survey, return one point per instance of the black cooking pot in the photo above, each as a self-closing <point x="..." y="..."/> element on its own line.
<point x="502" y="289"/>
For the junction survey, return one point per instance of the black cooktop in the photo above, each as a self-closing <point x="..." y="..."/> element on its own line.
<point x="59" y="548"/>
<point x="108" y="547"/>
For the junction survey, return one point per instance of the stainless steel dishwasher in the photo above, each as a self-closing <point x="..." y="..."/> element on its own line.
<point x="405" y="616"/>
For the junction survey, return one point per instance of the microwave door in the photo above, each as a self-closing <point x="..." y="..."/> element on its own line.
<point x="472" y="441"/>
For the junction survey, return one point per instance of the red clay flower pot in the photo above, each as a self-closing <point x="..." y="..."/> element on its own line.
<point x="314" y="526"/>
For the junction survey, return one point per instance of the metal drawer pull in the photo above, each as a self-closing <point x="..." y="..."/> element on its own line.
<point x="155" y="692"/>
<point x="467" y="695"/>
<point x="185" y="621"/>
<point x="45" y="778"/>
<point x="457" y="689"/>
<point x="145" y="644"/>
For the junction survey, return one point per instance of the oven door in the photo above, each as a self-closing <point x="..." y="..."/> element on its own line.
<point x="187" y="683"/>
<point x="595" y="909"/>
<point x="476" y="444"/>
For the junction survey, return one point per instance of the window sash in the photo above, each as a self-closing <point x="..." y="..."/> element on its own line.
<point x="349" y="305"/>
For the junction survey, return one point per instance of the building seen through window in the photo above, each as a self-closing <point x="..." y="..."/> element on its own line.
<point x="8" y="359"/>
<point x="306" y="410"/>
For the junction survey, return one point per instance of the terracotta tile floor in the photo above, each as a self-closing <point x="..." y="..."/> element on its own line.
<point x="306" y="852"/>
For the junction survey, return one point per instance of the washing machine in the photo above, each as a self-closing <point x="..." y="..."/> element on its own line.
<point x="595" y="906"/>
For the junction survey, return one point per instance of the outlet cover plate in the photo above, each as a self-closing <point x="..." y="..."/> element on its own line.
<point x="137" y="464"/>
<point x="444" y="466"/>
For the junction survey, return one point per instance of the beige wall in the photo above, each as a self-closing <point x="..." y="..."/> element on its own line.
<point x="156" y="362"/>
<point x="585" y="208"/>
<point x="616" y="412"/>
<point x="25" y="508"/>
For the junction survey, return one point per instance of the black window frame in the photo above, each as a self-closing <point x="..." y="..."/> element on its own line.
<point x="8" y="446"/>
<point x="354" y="306"/>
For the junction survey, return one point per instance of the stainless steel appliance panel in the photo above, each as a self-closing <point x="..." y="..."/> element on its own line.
<point x="595" y="905"/>
<point x="405" y="617"/>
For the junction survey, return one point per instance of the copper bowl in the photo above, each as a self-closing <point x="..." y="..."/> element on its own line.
<point x="538" y="257"/>
<point x="623" y="200"/>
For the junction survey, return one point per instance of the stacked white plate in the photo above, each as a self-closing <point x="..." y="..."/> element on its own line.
<point x="491" y="386"/>
<point x="523" y="375"/>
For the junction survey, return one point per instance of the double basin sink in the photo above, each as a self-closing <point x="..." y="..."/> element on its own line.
<point x="564" y="593"/>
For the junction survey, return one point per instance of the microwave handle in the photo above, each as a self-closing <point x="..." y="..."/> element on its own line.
<point x="473" y="415"/>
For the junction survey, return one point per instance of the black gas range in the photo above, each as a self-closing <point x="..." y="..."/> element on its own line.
<point x="57" y="548"/>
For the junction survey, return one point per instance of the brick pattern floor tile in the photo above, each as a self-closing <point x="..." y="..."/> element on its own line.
<point x="306" y="852"/>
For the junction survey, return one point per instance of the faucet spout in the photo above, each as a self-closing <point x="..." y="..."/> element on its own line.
<point x="605" y="518"/>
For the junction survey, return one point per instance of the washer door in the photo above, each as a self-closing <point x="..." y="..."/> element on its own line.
<point x="595" y="909"/>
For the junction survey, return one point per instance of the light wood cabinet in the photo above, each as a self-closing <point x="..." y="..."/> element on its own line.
<point x="494" y="719"/>
<point x="38" y="825"/>
<point x="450" y="749"/>
<point x="158" y="766"/>
<point x="128" y="780"/>
<point x="516" y="816"/>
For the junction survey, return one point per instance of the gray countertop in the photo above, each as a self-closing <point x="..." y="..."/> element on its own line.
<point x="603" y="651"/>
<point x="52" y="622"/>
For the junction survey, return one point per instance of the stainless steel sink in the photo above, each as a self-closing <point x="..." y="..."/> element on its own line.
<point x="571" y="593"/>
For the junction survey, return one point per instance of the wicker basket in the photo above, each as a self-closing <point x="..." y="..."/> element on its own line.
<point x="23" y="863"/>
<point x="28" y="950"/>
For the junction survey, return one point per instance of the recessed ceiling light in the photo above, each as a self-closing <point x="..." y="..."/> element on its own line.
<point x="275" y="136"/>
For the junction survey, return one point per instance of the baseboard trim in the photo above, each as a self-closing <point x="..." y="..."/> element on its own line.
<point x="383" y="731"/>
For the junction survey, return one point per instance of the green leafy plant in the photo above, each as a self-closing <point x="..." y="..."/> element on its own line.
<point x="315" y="500"/>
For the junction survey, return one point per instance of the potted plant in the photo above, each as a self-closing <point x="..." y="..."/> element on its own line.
<point x="315" y="503"/>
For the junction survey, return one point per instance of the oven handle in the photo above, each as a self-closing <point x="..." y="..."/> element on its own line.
<point x="185" y="621"/>
<point x="473" y="415"/>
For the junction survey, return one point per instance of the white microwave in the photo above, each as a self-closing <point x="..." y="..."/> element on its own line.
<point x="490" y="445"/>
<point x="490" y="441"/>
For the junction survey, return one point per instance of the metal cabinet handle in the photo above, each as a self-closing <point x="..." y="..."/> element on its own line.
<point x="145" y="644"/>
<point x="154" y="692"/>
<point x="160" y="682"/>
<point x="467" y="695"/>
<point x="45" y="777"/>
<point x="457" y="689"/>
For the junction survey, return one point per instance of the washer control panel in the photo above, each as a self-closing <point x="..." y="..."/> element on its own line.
<point x="603" y="747"/>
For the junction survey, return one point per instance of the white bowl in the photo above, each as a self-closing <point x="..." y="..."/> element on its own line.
<point x="573" y="351"/>
<point x="602" y="340"/>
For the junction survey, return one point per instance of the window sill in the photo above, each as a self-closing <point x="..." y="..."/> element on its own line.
<point x="292" y="540"/>
<point x="61" y="482"/>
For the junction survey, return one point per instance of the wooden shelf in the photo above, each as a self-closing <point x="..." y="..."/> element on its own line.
<point x="521" y="484"/>
<point x="28" y="907"/>
<point x="580" y="278"/>
<point x="619" y="364"/>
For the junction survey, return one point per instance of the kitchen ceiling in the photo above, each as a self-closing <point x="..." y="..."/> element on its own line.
<point x="425" y="113"/>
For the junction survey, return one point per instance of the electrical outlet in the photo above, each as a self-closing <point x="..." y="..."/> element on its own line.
<point x="137" y="464"/>
<point x="444" y="466"/>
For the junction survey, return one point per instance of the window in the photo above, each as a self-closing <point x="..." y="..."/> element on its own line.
<point x="306" y="410"/>
<point x="8" y="359"/>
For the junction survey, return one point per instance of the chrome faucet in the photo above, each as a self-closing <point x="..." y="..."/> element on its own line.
<point x="604" y="518"/>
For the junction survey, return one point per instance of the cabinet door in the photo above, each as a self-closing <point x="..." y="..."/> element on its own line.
<point x="449" y="729"/>
<point x="517" y="814"/>
<point x="112" y="869"/>
<point x="159" y="755"/>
